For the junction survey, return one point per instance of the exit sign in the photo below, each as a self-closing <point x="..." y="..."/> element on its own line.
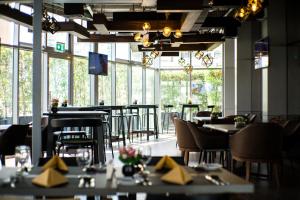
<point x="60" y="47"/>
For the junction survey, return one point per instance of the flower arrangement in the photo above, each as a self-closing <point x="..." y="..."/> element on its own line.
<point x="129" y="155"/>
<point x="64" y="103"/>
<point x="54" y="103"/>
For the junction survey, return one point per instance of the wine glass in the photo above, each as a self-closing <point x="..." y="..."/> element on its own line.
<point x="84" y="158"/>
<point x="145" y="159"/>
<point x="22" y="157"/>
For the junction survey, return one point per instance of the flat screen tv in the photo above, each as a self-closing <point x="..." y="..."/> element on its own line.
<point x="261" y="53"/>
<point x="98" y="64"/>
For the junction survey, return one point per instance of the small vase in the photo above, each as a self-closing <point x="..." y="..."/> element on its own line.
<point x="54" y="110"/>
<point x="128" y="170"/>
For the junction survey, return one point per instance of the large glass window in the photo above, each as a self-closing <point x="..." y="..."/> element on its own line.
<point x="216" y="54"/>
<point x="25" y="84"/>
<point x="150" y="92"/>
<point x="82" y="48"/>
<point x="7" y="32"/>
<point x="174" y="87"/>
<point x="121" y="84"/>
<point x="136" y="56"/>
<point x="207" y="88"/>
<point x="52" y="39"/>
<point x="137" y="84"/>
<point x="104" y="87"/>
<point x="6" y="60"/>
<point x="122" y="51"/>
<point x="58" y="78"/>
<point x="81" y="82"/>
<point x="105" y="48"/>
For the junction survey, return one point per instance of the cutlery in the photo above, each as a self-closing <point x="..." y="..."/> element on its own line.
<point x="215" y="179"/>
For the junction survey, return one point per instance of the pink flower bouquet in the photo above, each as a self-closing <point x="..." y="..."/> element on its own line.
<point x="129" y="155"/>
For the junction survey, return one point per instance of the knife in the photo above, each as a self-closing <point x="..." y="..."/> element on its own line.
<point x="215" y="179"/>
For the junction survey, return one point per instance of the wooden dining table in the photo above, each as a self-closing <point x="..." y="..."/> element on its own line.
<point x="103" y="186"/>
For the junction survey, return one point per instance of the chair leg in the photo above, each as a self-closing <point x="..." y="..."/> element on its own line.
<point x="276" y="173"/>
<point x="186" y="157"/>
<point x="248" y="170"/>
<point x="200" y="156"/>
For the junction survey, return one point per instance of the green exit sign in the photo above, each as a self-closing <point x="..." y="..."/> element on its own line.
<point x="60" y="47"/>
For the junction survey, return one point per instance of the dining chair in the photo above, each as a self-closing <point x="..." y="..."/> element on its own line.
<point x="13" y="136"/>
<point x="75" y="139"/>
<point x="210" y="142"/>
<point x="185" y="139"/>
<point x="258" y="143"/>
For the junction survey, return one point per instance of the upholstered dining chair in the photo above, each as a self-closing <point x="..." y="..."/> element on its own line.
<point x="185" y="139"/>
<point x="258" y="143"/>
<point x="209" y="142"/>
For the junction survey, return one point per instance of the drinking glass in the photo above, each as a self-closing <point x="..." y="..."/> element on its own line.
<point x="146" y="155"/>
<point x="84" y="157"/>
<point x="22" y="156"/>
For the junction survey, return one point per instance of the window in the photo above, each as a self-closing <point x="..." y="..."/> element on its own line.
<point x="104" y="87"/>
<point x="81" y="82"/>
<point x="217" y="58"/>
<point x="105" y="48"/>
<point x="52" y="39"/>
<point x="207" y="88"/>
<point x="137" y="84"/>
<point x="136" y="56"/>
<point x="6" y="61"/>
<point x="122" y="51"/>
<point x="7" y="32"/>
<point x="150" y="86"/>
<point x="58" y="78"/>
<point x="82" y="48"/>
<point x="25" y="84"/>
<point x="174" y="87"/>
<point x="121" y="84"/>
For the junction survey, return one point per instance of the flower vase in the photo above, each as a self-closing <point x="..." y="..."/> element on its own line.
<point x="128" y="170"/>
<point x="54" y="110"/>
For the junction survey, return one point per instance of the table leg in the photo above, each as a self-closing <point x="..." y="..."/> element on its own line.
<point x="155" y="123"/>
<point x="147" y="124"/>
<point x="182" y="112"/>
<point x="123" y="127"/>
<point x="99" y="153"/>
<point x="50" y="144"/>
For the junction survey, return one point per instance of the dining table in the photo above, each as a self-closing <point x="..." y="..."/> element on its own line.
<point x="75" y="114"/>
<point x="103" y="186"/>
<point x="3" y="127"/>
<point x="205" y="119"/>
<point x="226" y="128"/>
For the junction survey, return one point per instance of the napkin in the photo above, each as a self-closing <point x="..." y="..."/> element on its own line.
<point x="50" y="178"/>
<point x="177" y="175"/>
<point x="165" y="162"/>
<point x="57" y="163"/>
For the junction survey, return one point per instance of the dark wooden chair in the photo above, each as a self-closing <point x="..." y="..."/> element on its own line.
<point x="14" y="136"/>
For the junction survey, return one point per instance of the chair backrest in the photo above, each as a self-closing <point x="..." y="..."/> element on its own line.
<point x="185" y="138"/>
<point x="203" y="114"/>
<point x="290" y="126"/>
<point x="13" y="136"/>
<point x="76" y="122"/>
<point x="262" y="141"/>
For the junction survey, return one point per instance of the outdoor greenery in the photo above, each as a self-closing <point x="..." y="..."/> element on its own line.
<point x="81" y="82"/>
<point x="104" y="87"/>
<point x="121" y="84"/>
<point x="137" y="84"/>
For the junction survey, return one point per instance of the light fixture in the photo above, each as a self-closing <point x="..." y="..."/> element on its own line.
<point x="146" y="26"/>
<point x="188" y="68"/>
<point x="167" y="31"/>
<point x="49" y="24"/>
<point x="147" y="61"/>
<point x="138" y="37"/>
<point x="199" y="54"/>
<point x="208" y="60"/>
<point x="181" y="61"/>
<point x="146" y="43"/>
<point x="177" y="34"/>
<point x="242" y="13"/>
<point x="255" y="6"/>
<point x="154" y="54"/>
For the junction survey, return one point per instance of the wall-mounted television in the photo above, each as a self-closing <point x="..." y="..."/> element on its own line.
<point x="261" y="53"/>
<point x="98" y="64"/>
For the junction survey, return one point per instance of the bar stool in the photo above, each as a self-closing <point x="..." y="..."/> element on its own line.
<point x="166" y="114"/>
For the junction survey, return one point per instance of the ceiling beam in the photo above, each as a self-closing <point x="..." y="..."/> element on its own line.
<point x="100" y="23"/>
<point x="149" y="3"/>
<point x="182" y="47"/>
<point x="74" y="29"/>
<point x="107" y="38"/>
<point x="220" y="22"/>
<point x="189" y="20"/>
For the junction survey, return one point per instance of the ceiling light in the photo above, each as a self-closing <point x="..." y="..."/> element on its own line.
<point x="199" y="54"/>
<point x="242" y="13"/>
<point x="154" y="54"/>
<point x="181" y="61"/>
<point x="177" y="34"/>
<point x="255" y="6"/>
<point x="147" y="61"/>
<point x="146" y="43"/>
<point x="208" y="60"/>
<point x="167" y="31"/>
<point x="146" y="26"/>
<point x="188" y="68"/>
<point x="138" y="37"/>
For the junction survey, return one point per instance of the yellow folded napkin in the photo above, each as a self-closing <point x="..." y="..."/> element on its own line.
<point x="166" y="162"/>
<point x="177" y="175"/>
<point x="57" y="163"/>
<point x="50" y="178"/>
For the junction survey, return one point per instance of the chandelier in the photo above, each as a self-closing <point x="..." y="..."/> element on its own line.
<point x="252" y="8"/>
<point x="49" y="24"/>
<point x="208" y="60"/>
<point x="147" y="61"/>
<point x="188" y="68"/>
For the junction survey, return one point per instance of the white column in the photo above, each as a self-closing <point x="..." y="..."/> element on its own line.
<point x="94" y="83"/>
<point x="229" y="88"/>
<point x="15" y="102"/>
<point x="36" y="80"/>
<point x="113" y="74"/>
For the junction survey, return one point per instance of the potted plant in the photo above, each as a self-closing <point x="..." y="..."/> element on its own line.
<point x="214" y="115"/>
<point x="240" y="122"/>
<point x="130" y="157"/>
<point x="54" y="105"/>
